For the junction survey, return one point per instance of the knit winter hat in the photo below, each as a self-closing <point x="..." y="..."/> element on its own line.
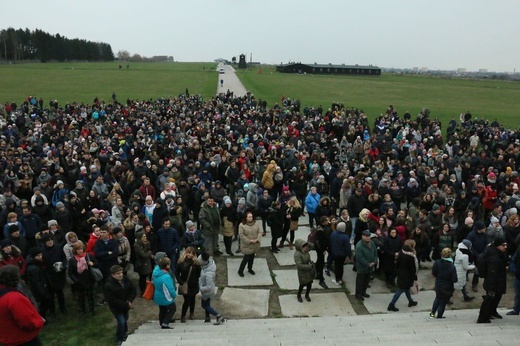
<point x="499" y="241"/>
<point x="189" y="223"/>
<point x="479" y="225"/>
<point x="227" y="200"/>
<point x="203" y="258"/>
<point x="60" y="205"/>
<point x="494" y="220"/>
<point x="467" y="243"/>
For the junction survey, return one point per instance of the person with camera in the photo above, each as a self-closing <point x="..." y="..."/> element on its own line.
<point x="55" y="267"/>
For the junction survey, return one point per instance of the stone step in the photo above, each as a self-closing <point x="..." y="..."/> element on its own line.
<point x="459" y="327"/>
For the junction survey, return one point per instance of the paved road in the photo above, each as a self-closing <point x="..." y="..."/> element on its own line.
<point x="230" y="81"/>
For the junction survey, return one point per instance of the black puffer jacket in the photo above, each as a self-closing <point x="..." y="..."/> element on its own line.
<point x="496" y="277"/>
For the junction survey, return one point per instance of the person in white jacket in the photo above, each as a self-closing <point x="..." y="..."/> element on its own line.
<point x="462" y="265"/>
<point x="207" y="287"/>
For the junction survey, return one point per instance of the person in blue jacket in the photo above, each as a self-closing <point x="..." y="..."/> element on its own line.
<point x="340" y="250"/>
<point x="311" y="204"/>
<point x="164" y="293"/>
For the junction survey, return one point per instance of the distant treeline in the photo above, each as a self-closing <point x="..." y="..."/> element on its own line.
<point x="16" y="45"/>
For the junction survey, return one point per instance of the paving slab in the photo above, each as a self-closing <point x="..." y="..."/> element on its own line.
<point x="261" y="278"/>
<point x="322" y="304"/>
<point x="247" y="302"/>
<point x="378" y="303"/>
<point x="287" y="279"/>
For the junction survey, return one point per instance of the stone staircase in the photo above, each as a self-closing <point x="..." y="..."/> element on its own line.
<point x="414" y="328"/>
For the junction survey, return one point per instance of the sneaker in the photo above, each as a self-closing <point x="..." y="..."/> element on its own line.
<point x="327" y="272"/>
<point x="251" y="271"/>
<point x="432" y="315"/>
<point x="497" y="315"/>
<point x="335" y="282"/>
<point x="220" y="320"/>
<point x="207" y="320"/>
<point x="323" y="284"/>
<point x="513" y="313"/>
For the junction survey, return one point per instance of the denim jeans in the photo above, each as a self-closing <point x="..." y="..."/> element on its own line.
<point x="122" y="327"/>
<point x="398" y="293"/>
<point x="206" y="305"/>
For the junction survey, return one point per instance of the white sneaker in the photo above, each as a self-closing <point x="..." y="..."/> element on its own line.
<point x="335" y="282"/>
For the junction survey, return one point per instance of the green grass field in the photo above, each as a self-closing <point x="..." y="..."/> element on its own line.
<point x="446" y="98"/>
<point x="82" y="82"/>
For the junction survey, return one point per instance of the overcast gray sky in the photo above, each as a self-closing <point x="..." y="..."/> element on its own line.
<point x="439" y="34"/>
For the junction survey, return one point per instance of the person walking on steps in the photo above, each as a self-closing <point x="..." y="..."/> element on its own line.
<point x="462" y="266"/>
<point x="305" y="268"/>
<point x="366" y="261"/>
<point x="445" y="278"/>
<point x="164" y="293"/>
<point x="495" y="279"/>
<point x="407" y="269"/>
<point x="207" y="287"/>
<point x="250" y="237"/>
<point x="340" y="249"/>
<point x="188" y="270"/>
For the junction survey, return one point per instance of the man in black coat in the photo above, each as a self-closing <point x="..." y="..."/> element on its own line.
<point x="120" y="293"/>
<point x="494" y="281"/>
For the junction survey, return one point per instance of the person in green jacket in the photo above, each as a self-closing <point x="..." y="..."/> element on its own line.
<point x="366" y="262"/>
<point x="305" y="268"/>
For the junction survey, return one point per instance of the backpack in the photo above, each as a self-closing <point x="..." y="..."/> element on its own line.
<point x="482" y="264"/>
<point x="312" y="237"/>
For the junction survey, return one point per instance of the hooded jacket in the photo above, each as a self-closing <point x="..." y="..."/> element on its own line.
<point x="207" y="280"/>
<point x="305" y="268"/>
<point x="165" y="292"/>
<point x="462" y="265"/>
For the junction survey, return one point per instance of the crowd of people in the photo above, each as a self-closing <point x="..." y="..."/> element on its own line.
<point x="110" y="184"/>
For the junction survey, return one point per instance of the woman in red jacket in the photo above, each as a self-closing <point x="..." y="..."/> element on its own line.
<point x="20" y="320"/>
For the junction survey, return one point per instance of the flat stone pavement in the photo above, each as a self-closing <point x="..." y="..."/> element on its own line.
<point x="280" y="274"/>
<point x="230" y="81"/>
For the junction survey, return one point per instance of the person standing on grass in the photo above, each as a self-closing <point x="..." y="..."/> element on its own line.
<point x="120" y="293"/>
<point x="20" y="321"/>
<point x="445" y="278"/>
<point x="207" y="287"/>
<point x="164" y="293"/>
